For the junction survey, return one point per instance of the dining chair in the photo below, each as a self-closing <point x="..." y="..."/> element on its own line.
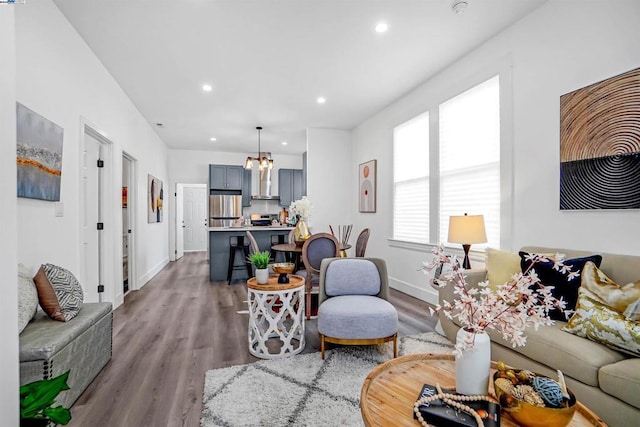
<point x="254" y="248"/>
<point x="316" y="248"/>
<point x="361" y="243"/>
<point x="353" y="303"/>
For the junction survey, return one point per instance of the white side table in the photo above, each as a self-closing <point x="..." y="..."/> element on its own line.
<point x="276" y="313"/>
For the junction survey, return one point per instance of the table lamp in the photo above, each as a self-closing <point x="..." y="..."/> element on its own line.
<point x="466" y="229"/>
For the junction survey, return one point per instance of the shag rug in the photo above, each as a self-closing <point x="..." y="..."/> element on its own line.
<point x="302" y="390"/>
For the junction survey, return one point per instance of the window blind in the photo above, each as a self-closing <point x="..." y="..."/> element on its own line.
<point x="411" y="180"/>
<point x="469" y="138"/>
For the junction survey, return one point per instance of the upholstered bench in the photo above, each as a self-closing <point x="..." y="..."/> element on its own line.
<point x="82" y="345"/>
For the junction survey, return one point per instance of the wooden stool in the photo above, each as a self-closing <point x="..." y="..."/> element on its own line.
<point x="236" y="243"/>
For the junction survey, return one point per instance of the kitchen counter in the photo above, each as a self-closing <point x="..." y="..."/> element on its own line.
<point x="252" y="228"/>
<point x="219" y="247"/>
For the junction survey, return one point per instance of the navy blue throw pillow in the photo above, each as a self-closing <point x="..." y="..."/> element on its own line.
<point x="562" y="286"/>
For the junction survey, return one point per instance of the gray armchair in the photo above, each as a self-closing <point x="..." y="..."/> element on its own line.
<point x="353" y="303"/>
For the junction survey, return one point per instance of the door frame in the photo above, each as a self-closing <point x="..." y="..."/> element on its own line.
<point x="132" y="211"/>
<point x="180" y="208"/>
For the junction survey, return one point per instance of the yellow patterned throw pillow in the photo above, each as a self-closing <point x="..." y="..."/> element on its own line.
<point x="607" y="291"/>
<point x="598" y="322"/>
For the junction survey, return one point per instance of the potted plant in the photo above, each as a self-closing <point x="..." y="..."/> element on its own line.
<point x="261" y="261"/>
<point x="37" y="400"/>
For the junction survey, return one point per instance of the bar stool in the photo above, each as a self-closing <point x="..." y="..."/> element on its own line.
<point x="237" y="243"/>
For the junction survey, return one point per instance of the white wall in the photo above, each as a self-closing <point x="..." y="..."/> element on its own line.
<point x="560" y="47"/>
<point x="9" y="403"/>
<point x="60" y="78"/>
<point x="330" y="179"/>
<point x="192" y="167"/>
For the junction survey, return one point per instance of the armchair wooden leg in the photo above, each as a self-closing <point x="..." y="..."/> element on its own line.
<point x="322" y="345"/>
<point x="395" y="346"/>
<point x="308" y="305"/>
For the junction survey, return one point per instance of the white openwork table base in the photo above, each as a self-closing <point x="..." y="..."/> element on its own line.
<point x="276" y="315"/>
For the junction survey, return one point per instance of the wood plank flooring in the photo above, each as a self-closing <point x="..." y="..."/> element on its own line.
<point x="167" y="335"/>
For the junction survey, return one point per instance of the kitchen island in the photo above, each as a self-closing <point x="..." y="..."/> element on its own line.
<point x="219" y="247"/>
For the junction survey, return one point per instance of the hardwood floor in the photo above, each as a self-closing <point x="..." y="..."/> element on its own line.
<point x="167" y="335"/>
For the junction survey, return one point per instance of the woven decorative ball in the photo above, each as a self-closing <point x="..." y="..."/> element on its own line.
<point x="549" y="390"/>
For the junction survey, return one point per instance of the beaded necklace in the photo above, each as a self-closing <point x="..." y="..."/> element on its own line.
<point x="453" y="400"/>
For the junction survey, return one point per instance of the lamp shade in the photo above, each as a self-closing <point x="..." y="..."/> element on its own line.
<point x="467" y="229"/>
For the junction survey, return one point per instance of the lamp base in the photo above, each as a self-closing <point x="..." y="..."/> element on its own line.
<point x="466" y="264"/>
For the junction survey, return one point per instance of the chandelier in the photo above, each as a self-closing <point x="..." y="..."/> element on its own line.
<point x="263" y="161"/>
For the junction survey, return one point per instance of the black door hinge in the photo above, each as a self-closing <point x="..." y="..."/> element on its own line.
<point x="100" y="288"/>
<point x="101" y="226"/>
<point x="100" y="163"/>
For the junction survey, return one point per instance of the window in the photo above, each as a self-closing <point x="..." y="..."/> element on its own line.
<point x="411" y="180"/>
<point x="467" y="152"/>
<point x="470" y="158"/>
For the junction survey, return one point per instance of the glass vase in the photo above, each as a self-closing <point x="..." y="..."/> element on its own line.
<point x="473" y="367"/>
<point x="301" y="232"/>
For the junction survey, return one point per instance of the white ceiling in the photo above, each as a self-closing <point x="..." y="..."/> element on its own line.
<point x="268" y="60"/>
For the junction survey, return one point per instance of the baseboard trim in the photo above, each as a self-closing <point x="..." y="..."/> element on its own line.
<point x="151" y="273"/>
<point x="424" y="293"/>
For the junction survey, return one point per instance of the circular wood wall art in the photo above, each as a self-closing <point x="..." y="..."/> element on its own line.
<point x="600" y="145"/>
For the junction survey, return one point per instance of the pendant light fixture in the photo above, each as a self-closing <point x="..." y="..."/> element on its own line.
<point x="263" y="161"/>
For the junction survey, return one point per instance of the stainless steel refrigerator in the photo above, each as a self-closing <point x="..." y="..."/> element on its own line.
<point x="224" y="210"/>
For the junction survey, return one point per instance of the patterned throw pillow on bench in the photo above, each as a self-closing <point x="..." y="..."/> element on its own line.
<point x="59" y="292"/>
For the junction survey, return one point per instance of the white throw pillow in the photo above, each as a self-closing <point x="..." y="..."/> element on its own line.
<point x="27" y="298"/>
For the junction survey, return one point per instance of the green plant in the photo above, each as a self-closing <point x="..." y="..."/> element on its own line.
<point x="38" y="397"/>
<point x="260" y="259"/>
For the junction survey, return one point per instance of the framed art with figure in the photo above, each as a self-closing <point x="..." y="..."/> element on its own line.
<point x="367" y="186"/>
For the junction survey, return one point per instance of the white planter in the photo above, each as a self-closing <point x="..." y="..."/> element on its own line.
<point x="474" y="366"/>
<point x="262" y="275"/>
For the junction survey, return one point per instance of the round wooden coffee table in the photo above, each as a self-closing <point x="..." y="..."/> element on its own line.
<point x="391" y="389"/>
<point x="276" y="317"/>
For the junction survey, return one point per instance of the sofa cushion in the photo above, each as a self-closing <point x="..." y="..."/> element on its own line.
<point x="565" y="285"/>
<point x="622" y="380"/>
<point x="601" y="323"/>
<point x="357" y="317"/>
<point x="577" y="357"/>
<point x="352" y="276"/>
<point x="43" y="338"/>
<point x="27" y="298"/>
<point x="501" y="266"/>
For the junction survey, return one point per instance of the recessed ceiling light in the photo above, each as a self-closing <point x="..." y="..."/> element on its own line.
<point x="207" y="87"/>
<point x="284" y="142"/>
<point x="212" y="139"/>
<point x="321" y="100"/>
<point x="381" y="27"/>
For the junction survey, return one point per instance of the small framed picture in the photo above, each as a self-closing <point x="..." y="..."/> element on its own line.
<point x="367" y="186"/>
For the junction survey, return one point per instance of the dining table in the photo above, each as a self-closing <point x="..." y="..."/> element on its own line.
<point x="296" y="251"/>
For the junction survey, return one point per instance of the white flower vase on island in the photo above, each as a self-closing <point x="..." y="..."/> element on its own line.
<point x="509" y="309"/>
<point x="473" y="365"/>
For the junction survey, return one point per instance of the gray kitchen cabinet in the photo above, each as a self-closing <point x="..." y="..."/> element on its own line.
<point x="225" y="177"/>
<point x="290" y="185"/>
<point x="246" y="188"/>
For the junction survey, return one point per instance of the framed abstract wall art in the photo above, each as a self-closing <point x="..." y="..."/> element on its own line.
<point x="39" y="155"/>
<point x="155" y="196"/>
<point x="367" y="186"/>
<point x="600" y="145"/>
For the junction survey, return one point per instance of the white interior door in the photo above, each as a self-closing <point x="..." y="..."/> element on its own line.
<point x="90" y="218"/>
<point x="179" y="221"/>
<point x="195" y="218"/>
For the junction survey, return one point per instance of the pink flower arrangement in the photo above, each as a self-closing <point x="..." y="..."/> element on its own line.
<point x="509" y="309"/>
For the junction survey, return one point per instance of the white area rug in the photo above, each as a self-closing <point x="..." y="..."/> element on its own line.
<point x="302" y="390"/>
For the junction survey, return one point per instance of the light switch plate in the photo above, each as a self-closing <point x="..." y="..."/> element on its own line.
<point x="59" y="207"/>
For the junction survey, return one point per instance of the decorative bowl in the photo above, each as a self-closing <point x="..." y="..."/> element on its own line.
<point x="283" y="268"/>
<point x="529" y="415"/>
